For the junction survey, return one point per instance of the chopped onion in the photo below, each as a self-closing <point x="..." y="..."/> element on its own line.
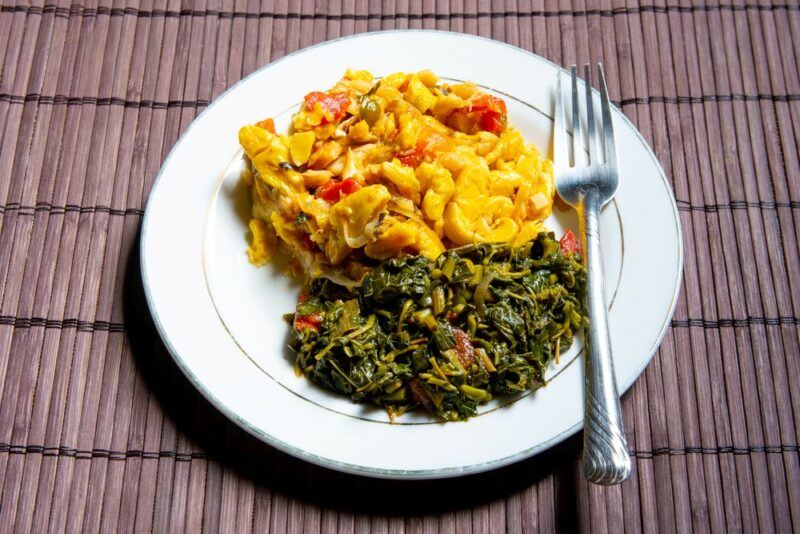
<point x="405" y="207"/>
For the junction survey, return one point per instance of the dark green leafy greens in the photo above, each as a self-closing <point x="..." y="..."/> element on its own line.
<point x="446" y="335"/>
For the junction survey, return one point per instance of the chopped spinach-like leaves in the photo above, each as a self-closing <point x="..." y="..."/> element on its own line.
<point x="445" y="335"/>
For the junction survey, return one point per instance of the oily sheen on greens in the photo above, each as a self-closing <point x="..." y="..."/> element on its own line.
<point x="447" y="335"/>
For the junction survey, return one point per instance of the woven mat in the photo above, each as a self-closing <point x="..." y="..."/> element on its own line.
<point x="100" y="431"/>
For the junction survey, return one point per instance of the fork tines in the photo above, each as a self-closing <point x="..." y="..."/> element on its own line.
<point x="594" y="147"/>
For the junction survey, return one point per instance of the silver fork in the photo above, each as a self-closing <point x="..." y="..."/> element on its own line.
<point x="587" y="187"/>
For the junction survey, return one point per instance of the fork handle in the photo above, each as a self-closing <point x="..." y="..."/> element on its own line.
<point x="605" y="451"/>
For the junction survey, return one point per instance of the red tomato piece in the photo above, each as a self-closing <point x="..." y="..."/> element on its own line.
<point x="484" y="112"/>
<point x="486" y="102"/>
<point x="569" y="245"/>
<point x="349" y="187"/>
<point x="312" y="321"/>
<point x="410" y="158"/>
<point x="464" y="349"/>
<point x="334" y="105"/>
<point x="492" y="122"/>
<point x="267" y="124"/>
<point x="333" y="190"/>
<point x="492" y="113"/>
<point x="328" y="191"/>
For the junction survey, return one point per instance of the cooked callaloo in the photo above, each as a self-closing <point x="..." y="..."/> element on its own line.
<point x="447" y="334"/>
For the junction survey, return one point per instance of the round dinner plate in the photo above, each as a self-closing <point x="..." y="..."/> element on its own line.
<point x="221" y="318"/>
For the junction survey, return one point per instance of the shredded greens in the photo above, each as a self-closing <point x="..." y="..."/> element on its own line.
<point x="446" y="335"/>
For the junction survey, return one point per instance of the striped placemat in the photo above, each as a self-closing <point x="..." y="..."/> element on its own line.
<point x="100" y="431"/>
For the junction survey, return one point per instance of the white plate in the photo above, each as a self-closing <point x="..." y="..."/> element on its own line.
<point x="221" y="318"/>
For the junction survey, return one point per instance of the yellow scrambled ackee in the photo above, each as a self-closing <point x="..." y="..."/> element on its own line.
<point x="373" y="169"/>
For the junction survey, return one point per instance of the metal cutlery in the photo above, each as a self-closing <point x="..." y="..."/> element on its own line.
<point x="587" y="184"/>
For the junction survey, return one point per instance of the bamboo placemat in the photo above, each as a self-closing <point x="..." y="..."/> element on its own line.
<point x="100" y="431"/>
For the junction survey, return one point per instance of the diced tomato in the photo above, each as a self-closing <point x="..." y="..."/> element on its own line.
<point x="420" y="395"/>
<point x="309" y="243"/>
<point x="267" y="124"/>
<point x="410" y="158"/>
<point x="312" y="321"/>
<point x="484" y="112"/>
<point x="333" y="190"/>
<point x="349" y="187"/>
<point x="486" y="102"/>
<point x="328" y="191"/>
<point x="492" y="122"/>
<point x="334" y="105"/>
<point x="464" y="349"/>
<point x="302" y="298"/>
<point x="569" y="245"/>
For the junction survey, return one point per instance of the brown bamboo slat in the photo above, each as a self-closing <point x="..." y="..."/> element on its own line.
<point x="99" y="431"/>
